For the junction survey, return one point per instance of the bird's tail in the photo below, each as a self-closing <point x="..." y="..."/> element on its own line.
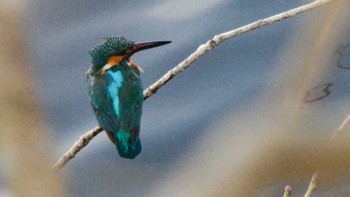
<point x="127" y="147"/>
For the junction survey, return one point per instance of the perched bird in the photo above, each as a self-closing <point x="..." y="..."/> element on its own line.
<point x="116" y="93"/>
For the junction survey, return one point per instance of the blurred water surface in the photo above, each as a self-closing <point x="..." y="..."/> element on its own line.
<point x="227" y="81"/>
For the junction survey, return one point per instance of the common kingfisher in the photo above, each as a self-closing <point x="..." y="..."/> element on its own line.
<point x="116" y="93"/>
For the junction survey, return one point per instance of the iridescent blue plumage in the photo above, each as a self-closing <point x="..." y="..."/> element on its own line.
<point x="115" y="92"/>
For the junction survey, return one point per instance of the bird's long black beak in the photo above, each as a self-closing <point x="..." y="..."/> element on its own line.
<point x="146" y="45"/>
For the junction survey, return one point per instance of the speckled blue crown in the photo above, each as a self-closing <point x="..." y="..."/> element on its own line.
<point x="113" y="45"/>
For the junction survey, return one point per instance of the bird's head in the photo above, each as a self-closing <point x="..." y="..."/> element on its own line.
<point x="116" y="49"/>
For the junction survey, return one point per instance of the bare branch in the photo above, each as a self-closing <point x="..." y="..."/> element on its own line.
<point x="216" y="40"/>
<point x="312" y="185"/>
<point x="202" y="49"/>
<point x="77" y="146"/>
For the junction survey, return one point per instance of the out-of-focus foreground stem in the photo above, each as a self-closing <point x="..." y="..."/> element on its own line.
<point x="26" y="163"/>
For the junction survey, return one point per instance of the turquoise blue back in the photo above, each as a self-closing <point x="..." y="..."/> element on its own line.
<point x="116" y="98"/>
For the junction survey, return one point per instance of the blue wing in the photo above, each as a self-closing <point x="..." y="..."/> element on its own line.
<point x="103" y="96"/>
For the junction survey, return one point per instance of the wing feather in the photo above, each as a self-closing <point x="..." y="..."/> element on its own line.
<point x="104" y="101"/>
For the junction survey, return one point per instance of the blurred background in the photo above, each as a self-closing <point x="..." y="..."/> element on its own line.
<point x="206" y="121"/>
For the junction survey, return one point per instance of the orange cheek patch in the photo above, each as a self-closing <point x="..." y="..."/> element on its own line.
<point x="114" y="60"/>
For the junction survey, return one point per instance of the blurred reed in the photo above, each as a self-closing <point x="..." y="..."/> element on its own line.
<point x="22" y="139"/>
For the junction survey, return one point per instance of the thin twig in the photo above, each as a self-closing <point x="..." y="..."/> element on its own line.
<point x="313" y="181"/>
<point x="210" y="44"/>
<point x="287" y="191"/>
<point x="202" y="49"/>
<point x="312" y="185"/>
<point x="77" y="146"/>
